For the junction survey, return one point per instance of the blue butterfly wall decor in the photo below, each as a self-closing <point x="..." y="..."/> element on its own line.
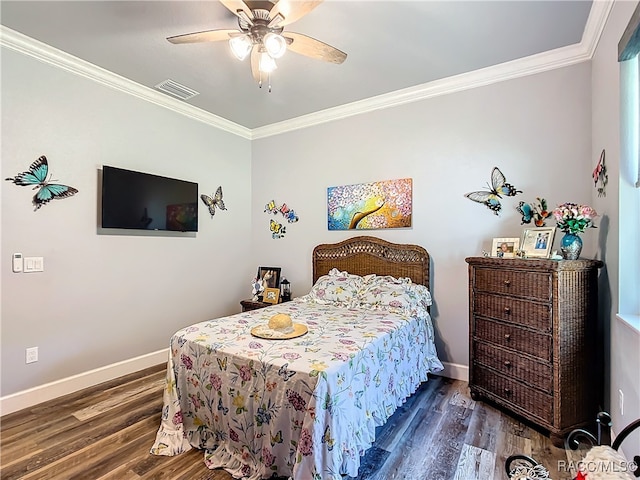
<point x="213" y="202"/>
<point x="37" y="178"/>
<point x="499" y="188"/>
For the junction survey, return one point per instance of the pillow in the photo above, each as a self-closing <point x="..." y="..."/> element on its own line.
<point x="397" y="295"/>
<point x="340" y="288"/>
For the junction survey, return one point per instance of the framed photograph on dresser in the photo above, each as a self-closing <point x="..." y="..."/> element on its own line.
<point x="537" y="242"/>
<point x="505" y="247"/>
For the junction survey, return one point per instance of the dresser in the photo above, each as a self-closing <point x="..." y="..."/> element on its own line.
<point x="534" y="340"/>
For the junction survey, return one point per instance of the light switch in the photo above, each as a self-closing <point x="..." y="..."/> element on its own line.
<point x="33" y="264"/>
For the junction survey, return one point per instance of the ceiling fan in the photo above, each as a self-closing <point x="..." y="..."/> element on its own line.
<point x="261" y="33"/>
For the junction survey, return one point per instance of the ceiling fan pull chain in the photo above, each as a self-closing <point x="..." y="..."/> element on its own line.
<point x="269" y="82"/>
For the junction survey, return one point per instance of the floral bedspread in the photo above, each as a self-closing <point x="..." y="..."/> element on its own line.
<point x="305" y="408"/>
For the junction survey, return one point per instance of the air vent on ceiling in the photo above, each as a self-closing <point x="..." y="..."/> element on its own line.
<point x="176" y="90"/>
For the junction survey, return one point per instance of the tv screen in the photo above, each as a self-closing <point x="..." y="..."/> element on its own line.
<point x="142" y="201"/>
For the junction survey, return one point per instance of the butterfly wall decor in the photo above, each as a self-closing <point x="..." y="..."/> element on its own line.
<point x="536" y="212"/>
<point x="286" y="212"/>
<point x="36" y="177"/>
<point x="498" y="188"/>
<point x="277" y="229"/>
<point x="213" y="202"/>
<point x="600" y="175"/>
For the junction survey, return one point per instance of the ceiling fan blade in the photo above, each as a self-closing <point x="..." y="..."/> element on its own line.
<point x="206" y="36"/>
<point x="255" y="63"/>
<point x="305" y="45"/>
<point x="237" y="6"/>
<point x="291" y="10"/>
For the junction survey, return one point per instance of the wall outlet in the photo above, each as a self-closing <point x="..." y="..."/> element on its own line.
<point x="621" y="401"/>
<point x="32" y="355"/>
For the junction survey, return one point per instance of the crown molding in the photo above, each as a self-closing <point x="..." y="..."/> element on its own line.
<point x="41" y="51"/>
<point x="558" y="58"/>
<point x="553" y="59"/>
<point x="600" y="10"/>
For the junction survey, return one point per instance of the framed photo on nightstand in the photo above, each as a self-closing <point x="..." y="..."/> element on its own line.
<point x="271" y="295"/>
<point x="269" y="277"/>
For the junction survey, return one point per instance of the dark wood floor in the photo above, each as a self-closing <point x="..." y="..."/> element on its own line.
<point x="105" y="432"/>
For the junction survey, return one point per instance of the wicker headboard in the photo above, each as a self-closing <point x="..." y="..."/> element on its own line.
<point x="365" y="255"/>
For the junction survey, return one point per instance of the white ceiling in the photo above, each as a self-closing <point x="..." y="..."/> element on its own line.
<point x="391" y="45"/>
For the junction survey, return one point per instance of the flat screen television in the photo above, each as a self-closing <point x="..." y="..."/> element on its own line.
<point x="142" y="201"/>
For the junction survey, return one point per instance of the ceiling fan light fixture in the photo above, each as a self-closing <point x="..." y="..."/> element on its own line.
<point x="275" y="44"/>
<point x="266" y="64"/>
<point x="244" y="17"/>
<point x="240" y="46"/>
<point x="275" y="21"/>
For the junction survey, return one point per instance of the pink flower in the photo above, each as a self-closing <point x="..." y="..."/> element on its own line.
<point x="340" y="356"/>
<point x="177" y="418"/>
<point x="216" y="382"/>
<point x="267" y="457"/>
<point x="186" y="361"/>
<point x="587" y="212"/>
<point x="245" y="373"/>
<point x="291" y="356"/>
<point x="305" y="445"/>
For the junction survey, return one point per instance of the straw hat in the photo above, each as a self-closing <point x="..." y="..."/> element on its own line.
<point x="280" y="327"/>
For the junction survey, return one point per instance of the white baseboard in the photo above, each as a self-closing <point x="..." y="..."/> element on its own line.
<point x="33" y="396"/>
<point x="49" y="391"/>
<point x="455" y="371"/>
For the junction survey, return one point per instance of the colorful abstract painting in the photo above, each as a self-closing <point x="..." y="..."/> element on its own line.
<point x="368" y="206"/>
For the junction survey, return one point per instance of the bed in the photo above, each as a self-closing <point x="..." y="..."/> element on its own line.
<point x="306" y="407"/>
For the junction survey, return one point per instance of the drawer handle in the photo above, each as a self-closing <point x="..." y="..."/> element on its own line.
<point x="507" y="310"/>
<point x="507" y="364"/>
<point x="507" y="391"/>
<point x="507" y="336"/>
<point x="507" y="283"/>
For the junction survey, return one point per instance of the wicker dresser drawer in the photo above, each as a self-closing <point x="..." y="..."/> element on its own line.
<point x="511" y="364"/>
<point x="535" y="285"/>
<point x="533" y="401"/>
<point x="522" y="312"/>
<point x="514" y="338"/>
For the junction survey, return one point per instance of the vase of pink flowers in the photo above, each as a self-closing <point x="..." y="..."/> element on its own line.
<point x="573" y="219"/>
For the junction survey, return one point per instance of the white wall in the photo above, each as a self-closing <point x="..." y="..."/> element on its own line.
<point x="108" y="298"/>
<point x="623" y="358"/>
<point x="535" y="129"/>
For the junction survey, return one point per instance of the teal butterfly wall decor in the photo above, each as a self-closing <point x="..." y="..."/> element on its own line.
<point x="498" y="188"/>
<point x="36" y="177"/>
<point x="536" y="211"/>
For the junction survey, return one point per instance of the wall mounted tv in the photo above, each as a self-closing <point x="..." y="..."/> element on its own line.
<point x="142" y="201"/>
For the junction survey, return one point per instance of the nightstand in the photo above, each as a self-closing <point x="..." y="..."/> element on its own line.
<point x="253" y="305"/>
